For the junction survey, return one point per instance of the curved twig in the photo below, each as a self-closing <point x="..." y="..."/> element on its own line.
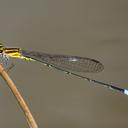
<point x="19" y="98"/>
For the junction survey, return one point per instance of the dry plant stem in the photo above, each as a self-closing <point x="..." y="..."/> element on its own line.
<point x="16" y="93"/>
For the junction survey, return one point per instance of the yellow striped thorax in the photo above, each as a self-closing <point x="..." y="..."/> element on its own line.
<point x="12" y="52"/>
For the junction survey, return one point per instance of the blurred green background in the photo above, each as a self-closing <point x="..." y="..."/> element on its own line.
<point x="92" y="28"/>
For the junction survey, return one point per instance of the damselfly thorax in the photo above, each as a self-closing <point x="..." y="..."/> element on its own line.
<point x="12" y="52"/>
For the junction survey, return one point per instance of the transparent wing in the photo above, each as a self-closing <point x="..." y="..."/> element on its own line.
<point x="74" y="63"/>
<point x="65" y="62"/>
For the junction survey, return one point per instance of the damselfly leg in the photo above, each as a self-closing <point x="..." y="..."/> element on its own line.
<point x="7" y="64"/>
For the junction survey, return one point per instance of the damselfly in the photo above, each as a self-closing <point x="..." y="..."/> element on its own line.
<point x="68" y="64"/>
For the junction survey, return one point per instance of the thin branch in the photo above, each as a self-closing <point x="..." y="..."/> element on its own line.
<point x="19" y="98"/>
